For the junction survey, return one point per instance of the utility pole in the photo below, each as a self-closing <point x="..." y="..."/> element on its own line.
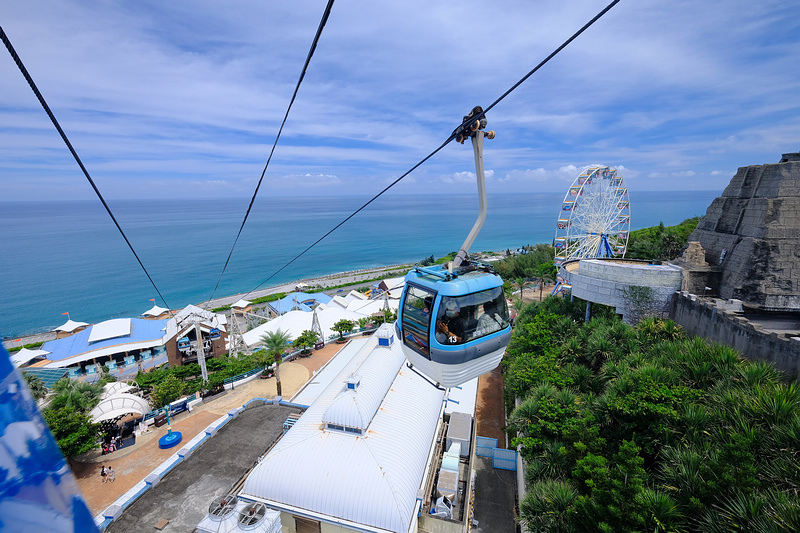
<point x="201" y="351"/>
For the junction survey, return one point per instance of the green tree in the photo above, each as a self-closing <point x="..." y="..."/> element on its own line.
<point x="306" y="339"/>
<point x="343" y="326"/>
<point x="74" y="431"/>
<point x="75" y="395"/>
<point x="36" y="385"/>
<point x="276" y="342"/>
<point x="169" y="390"/>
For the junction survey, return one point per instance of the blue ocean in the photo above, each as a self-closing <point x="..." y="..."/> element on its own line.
<point x="61" y="257"/>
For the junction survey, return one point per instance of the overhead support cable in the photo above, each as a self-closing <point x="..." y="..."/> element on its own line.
<point x="458" y="134"/>
<point x="322" y="23"/>
<point x="53" y="119"/>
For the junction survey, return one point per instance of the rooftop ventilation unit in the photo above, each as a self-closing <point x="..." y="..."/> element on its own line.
<point x="385" y="335"/>
<point x="252" y="514"/>
<point x="353" y="381"/>
<point x="219" y="509"/>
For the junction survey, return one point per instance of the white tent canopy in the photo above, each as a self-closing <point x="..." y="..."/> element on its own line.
<point x="70" y="325"/>
<point x="155" y="311"/>
<point x="371" y="307"/>
<point x="24" y="355"/>
<point x="296" y="322"/>
<point x="241" y="303"/>
<point x="119" y="405"/>
<point x="112" y="389"/>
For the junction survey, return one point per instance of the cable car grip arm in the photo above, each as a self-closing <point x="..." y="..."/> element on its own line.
<point x="472" y="127"/>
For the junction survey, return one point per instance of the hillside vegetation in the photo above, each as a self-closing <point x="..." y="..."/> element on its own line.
<point x="660" y="242"/>
<point x="645" y="429"/>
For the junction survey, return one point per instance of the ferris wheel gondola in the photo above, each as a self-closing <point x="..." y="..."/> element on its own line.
<point x="453" y="320"/>
<point x="594" y="219"/>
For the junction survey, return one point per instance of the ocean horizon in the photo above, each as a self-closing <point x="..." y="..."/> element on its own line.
<point x="67" y="256"/>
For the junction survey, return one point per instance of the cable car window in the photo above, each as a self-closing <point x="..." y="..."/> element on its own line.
<point x="465" y="318"/>
<point x="417" y="307"/>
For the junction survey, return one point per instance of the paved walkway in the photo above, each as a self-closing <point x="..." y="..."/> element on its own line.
<point x="132" y="464"/>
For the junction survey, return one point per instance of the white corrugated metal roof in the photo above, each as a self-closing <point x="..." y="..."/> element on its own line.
<point x="355" y="407"/>
<point x="372" y="479"/>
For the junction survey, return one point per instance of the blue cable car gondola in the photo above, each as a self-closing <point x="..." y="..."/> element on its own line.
<point x="214" y="334"/>
<point x="453" y="319"/>
<point x="184" y="344"/>
<point x="454" y="327"/>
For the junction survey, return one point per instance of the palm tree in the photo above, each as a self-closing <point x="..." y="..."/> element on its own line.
<point x="75" y="394"/>
<point x="276" y="341"/>
<point x="36" y="385"/>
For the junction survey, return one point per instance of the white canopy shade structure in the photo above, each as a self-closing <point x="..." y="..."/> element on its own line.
<point x="110" y="329"/>
<point x="371" y="307"/>
<point x="119" y="405"/>
<point x="24" y="355"/>
<point x="296" y="322"/>
<point x="70" y="325"/>
<point x="155" y="311"/>
<point x="242" y="303"/>
<point x="112" y="389"/>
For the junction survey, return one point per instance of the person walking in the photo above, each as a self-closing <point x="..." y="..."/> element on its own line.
<point x="104" y="473"/>
<point x="111" y="474"/>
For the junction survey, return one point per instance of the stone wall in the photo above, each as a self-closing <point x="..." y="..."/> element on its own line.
<point x="720" y="324"/>
<point x="611" y="282"/>
<point x="752" y="233"/>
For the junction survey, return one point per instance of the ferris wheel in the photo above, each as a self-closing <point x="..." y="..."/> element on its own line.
<point x="595" y="217"/>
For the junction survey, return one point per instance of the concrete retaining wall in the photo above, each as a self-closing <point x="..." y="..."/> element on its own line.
<point x="715" y="323"/>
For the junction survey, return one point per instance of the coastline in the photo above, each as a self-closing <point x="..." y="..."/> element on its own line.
<point x="329" y="280"/>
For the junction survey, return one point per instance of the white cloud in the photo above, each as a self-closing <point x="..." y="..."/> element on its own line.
<point x="184" y="94"/>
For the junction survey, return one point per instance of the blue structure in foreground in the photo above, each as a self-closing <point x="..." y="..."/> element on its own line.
<point x="37" y="491"/>
<point x="172" y="438"/>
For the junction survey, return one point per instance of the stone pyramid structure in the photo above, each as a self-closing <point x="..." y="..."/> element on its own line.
<point x="752" y="235"/>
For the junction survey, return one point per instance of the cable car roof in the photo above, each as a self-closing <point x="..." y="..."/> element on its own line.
<point x="467" y="280"/>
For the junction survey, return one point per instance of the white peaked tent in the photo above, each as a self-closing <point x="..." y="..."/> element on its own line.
<point x="371" y="307"/>
<point x="24" y="355"/>
<point x="155" y="311"/>
<point x="242" y="304"/>
<point x="70" y="325"/>
<point x="296" y="322"/>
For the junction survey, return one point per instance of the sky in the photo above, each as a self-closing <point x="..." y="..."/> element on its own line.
<point x="184" y="99"/>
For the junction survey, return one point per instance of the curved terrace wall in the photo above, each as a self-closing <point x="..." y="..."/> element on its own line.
<point x="634" y="288"/>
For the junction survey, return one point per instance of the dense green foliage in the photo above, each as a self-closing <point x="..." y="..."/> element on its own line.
<point x="660" y="242"/>
<point x="188" y="380"/>
<point x="343" y="326"/>
<point x="645" y="429"/>
<point x="75" y="395"/>
<point x="36" y="385"/>
<point x="67" y="415"/>
<point x="166" y="391"/>
<point x="306" y="339"/>
<point x="535" y="263"/>
<point x="73" y="430"/>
